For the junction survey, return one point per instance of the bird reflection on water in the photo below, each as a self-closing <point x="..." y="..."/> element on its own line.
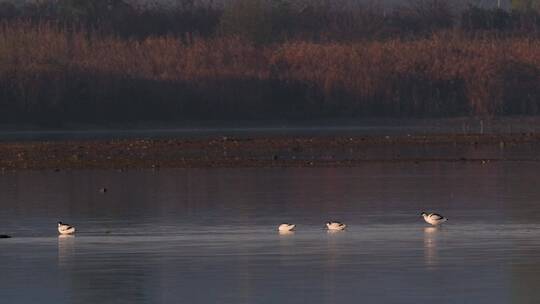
<point x="431" y="235"/>
<point x="66" y="249"/>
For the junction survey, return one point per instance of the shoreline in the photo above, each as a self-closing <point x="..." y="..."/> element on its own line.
<point x="275" y="128"/>
<point x="281" y="151"/>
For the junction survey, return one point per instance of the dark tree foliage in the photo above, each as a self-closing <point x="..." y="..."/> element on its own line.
<point x="258" y="59"/>
<point x="268" y="21"/>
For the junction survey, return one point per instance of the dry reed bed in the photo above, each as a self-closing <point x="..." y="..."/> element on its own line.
<point x="46" y="71"/>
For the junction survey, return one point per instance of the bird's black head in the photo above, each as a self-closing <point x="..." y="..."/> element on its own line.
<point x="59" y="223"/>
<point x="423" y="213"/>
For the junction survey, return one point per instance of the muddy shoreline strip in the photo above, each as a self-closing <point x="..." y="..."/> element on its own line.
<point x="264" y="152"/>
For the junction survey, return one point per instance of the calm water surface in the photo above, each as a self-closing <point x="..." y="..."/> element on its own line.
<point x="209" y="235"/>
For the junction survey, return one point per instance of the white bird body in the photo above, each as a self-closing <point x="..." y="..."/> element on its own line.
<point x="335" y="226"/>
<point x="65" y="228"/>
<point x="434" y="218"/>
<point x="285" y="227"/>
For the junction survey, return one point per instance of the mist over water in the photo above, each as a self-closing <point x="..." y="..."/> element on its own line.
<point x="209" y="235"/>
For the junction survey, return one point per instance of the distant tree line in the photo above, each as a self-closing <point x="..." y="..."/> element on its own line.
<point x="265" y="21"/>
<point x="113" y="61"/>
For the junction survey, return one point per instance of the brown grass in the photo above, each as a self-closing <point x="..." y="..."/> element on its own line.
<point x="51" y="74"/>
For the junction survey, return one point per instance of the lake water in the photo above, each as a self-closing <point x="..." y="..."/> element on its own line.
<point x="209" y="235"/>
<point x="355" y="127"/>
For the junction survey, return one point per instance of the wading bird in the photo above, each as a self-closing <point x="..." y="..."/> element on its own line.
<point x="285" y="227"/>
<point x="433" y="218"/>
<point x="65" y="228"/>
<point x="335" y="226"/>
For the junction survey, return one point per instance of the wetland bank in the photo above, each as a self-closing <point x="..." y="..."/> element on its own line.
<point x="266" y="152"/>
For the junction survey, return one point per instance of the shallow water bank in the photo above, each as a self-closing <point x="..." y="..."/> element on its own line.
<point x="268" y="151"/>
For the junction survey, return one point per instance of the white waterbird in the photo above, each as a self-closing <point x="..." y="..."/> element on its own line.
<point x="286" y="227"/>
<point x="65" y="228"/>
<point x="434" y="219"/>
<point x="335" y="226"/>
